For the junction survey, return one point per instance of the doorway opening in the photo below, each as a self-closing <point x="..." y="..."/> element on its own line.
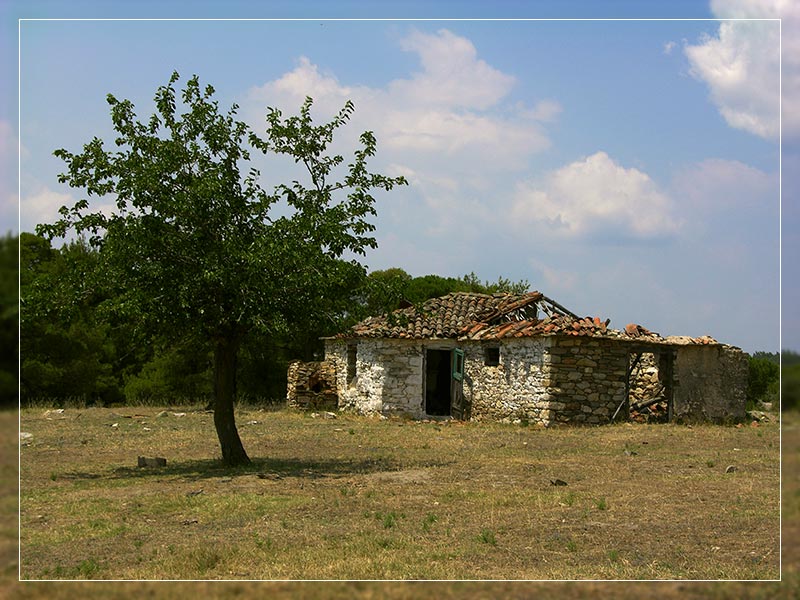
<point x="437" y="382"/>
<point x="649" y="386"/>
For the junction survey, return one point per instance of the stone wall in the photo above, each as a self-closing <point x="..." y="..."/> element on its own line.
<point x="711" y="382"/>
<point x="311" y="386"/>
<point x="587" y="379"/>
<point x="547" y="379"/>
<point x="388" y="376"/>
<point x="515" y="389"/>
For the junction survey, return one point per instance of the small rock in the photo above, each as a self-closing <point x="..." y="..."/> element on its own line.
<point x="557" y="482"/>
<point x="195" y="493"/>
<point x="163" y="413"/>
<point x="190" y="521"/>
<point x="25" y="438"/>
<point x="330" y="415"/>
<point x="731" y="469"/>
<point x="179" y="414"/>
<point x="115" y="426"/>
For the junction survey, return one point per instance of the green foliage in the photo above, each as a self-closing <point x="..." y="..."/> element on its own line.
<point x="763" y="378"/>
<point x="8" y="320"/>
<point x="178" y="374"/>
<point x="66" y="351"/>
<point x="194" y="248"/>
<point x="487" y="536"/>
<point x="384" y="290"/>
<point x="789" y="358"/>
<point x="790" y="380"/>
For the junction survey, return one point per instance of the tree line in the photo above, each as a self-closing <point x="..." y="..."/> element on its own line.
<point x="71" y="353"/>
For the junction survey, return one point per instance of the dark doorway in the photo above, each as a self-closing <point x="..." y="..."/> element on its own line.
<point x="437" y="382"/>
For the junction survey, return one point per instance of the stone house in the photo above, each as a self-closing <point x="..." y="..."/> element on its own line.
<point x="520" y="358"/>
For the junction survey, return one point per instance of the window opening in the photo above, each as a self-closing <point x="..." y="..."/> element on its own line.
<point x="352" y="354"/>
<point x="491" y="356"/>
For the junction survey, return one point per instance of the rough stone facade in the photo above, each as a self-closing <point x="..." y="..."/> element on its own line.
<point x="587" y="379"/>
<point x="388" y="376"/>
<point x="711" y="383"/>
<point x="520" y="367"/>
<point x="312" y="385"/>
<point x="516" y="388"/>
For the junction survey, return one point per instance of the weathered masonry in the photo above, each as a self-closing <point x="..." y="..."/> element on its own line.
<point x="523" y="357"/>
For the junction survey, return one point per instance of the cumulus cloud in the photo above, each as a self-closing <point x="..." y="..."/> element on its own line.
<point x="441" y="119"/>
<point x="42" y="207"/>
<point x="741" y="65"/>
<point x="453" y="76"/>
<point x="596" y="197"/>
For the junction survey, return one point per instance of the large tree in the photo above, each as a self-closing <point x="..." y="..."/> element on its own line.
<point x="196" y="245"/>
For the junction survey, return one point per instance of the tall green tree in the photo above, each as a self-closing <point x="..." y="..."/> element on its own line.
<point x="195" y="244"/>
<point x="8" y="320"/>
<point x="66" y="352"/>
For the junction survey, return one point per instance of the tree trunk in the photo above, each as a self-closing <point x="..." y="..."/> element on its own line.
<point x="225" y="352"/>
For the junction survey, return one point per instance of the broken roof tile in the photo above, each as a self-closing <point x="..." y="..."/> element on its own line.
<point x="463" y="315"/>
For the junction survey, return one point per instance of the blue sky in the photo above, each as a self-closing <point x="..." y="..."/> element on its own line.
<point x="628" y="169"/>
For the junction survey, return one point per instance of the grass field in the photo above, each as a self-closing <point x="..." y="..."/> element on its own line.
<point x="356" y="498"/>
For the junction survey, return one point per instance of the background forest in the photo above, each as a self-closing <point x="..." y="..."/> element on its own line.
<point x="72" y="353"/>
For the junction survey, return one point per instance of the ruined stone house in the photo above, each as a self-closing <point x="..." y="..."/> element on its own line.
<point x="519" y="358"/>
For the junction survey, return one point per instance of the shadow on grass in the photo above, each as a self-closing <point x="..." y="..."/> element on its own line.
<point x="263" y="468"/>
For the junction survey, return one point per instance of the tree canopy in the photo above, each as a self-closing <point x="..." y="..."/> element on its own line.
<point x="194" y="245"/>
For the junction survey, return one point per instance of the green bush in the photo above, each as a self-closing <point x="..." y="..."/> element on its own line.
<point x="177" y="375"/>
<point x="790" y="391"/>
<point x="763" y="380"/>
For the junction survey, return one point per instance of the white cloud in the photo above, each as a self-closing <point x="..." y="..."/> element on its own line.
<point x="42" y="207"/>
<point x="741" y="65"/>
<point x="669" y="47"/>
<point x="441" y="120"/>
<point x="453" y="76"/>
<point x="596" y="197"/>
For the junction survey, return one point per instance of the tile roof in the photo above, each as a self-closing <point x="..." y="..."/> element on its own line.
<point x="445" y="317"/>
<point x="470" y="316"/>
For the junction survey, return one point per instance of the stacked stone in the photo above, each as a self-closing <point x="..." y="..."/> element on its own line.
<point x="311" y="385"/>
<point x="582" y="390"/>
<point x="516" y="389"/>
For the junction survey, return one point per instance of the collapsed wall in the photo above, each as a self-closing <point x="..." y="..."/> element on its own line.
<point x="311" y="385"/>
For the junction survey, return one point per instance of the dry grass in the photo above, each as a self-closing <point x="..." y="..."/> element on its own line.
<point x="357" y="498"/>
